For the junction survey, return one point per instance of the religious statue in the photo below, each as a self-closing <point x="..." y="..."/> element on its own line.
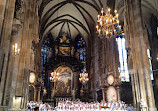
<point x="78" y="54"/>
<point x="64" y="39"/>
<point x="72" y="51"/>
<point x="56" y="50"/>
<point x="19" y="9"/>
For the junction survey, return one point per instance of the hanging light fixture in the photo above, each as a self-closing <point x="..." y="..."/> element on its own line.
<point x="108" y="25"/>
<point x="32" y="77"/>
<point x="15" y="49"/>
<point x="83" y="77"/>
<point x="54" y="76"/>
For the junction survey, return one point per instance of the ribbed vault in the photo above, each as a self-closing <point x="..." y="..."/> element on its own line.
<point x="79" y="16"/>
<point x="71" y="16"/>
<point x="148" y="7"/>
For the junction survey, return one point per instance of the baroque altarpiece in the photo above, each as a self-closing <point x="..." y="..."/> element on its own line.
<point x="65" y="60"/>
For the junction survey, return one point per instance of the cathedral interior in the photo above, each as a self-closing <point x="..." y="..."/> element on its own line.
<point x="65" y="50"/>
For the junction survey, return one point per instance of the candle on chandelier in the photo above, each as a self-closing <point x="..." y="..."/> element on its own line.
<point x="98" y="17"/>
<point x="102" y="12"/>
<point x="101" y="23"/>
<point x="97" y="27"/>
<point x="120" y="26"/>
<point x="109" y="10"/>
<point x="118" y="22"/>
<point x="107" y="32"/>
<point x="110" y="20"/>
<point x="106" y="21"/>
<point x="117" y="16"/>
<point x="18" y="50"/>
<point x="99" y="31"/>
<point x="113" y="19"/>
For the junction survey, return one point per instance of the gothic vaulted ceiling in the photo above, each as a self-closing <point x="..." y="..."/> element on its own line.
<point x="79" y="16"/>
<point x="71" y="16"/>
<point x="148" y="7"/>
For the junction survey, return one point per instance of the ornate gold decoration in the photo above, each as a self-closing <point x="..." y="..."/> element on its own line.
<point x="83" y="77"/>
<point x="64" y="39"/>
<point x="54" y="76"/>
<point x="107" y="24"/>
<point x="64" y="51"/>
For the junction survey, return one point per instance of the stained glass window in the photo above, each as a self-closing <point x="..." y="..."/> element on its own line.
<point x="81" y="48"/>
<point x="157" y="32"/>
<point x="123" y="69"/>
<point x="46" y="52"/>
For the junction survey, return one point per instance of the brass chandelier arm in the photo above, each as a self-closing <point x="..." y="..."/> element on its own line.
<point x="107" y="24"/>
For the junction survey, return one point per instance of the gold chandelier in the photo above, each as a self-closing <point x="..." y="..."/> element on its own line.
<point x="83" y="77"/>
<point x="108" y="25"/>
<point x="54" y="76"/>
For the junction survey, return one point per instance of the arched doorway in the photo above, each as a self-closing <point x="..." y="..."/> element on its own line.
<point x="31" y="93"/>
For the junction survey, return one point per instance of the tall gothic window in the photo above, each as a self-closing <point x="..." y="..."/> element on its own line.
<point x="46" y="52"/>
<point x="123" y="69"/>
<point x="151" y="75"/>
<point x="81" y="49"/>
<point x="157" y="32"/>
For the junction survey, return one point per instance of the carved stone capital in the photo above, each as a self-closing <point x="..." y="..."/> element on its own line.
<point x="19" y="9"/>
<point x="16" y="26"/>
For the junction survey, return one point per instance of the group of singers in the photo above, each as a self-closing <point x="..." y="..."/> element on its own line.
<point x="80" y="106"/>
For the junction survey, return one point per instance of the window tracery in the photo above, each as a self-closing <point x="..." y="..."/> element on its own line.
<point x="123" y="69"/>
<point x="81" y="49"/>
<point x="46" y="52"/>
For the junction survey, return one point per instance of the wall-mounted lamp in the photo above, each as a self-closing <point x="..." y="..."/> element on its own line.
<point x="32" y="77"/>
<point x="15" y="49"/>
<point x="17" y="100"/>
<point x="44" y="91"/>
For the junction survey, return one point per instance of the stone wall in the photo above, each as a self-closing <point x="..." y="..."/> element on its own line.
<point x="19" y="25"/>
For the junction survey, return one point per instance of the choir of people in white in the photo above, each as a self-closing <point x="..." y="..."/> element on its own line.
<point x="41" y="106"/>
<point x="81" y="106"/>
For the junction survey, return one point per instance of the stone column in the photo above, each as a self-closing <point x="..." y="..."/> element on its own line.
<point x="94" y="95"/>
<point x="5" y="45"/>
<point x="133" y="88"/>
<point x="103" y="93"/>
<point x="113" y="54"/>
<point x="39" y="90"/>
<point x="25" y="53"/>
<point x="96" y="67"/>
<point x="138" y="46"/>
<point x="13" y="66"/>
<point x="37" y="93"/>
<point x="53" y="92"/>
<point x="118" y="93"/>
<point x="73" y="94"/>
<point x="2" y="14"/>
<point x="75" y="84"/>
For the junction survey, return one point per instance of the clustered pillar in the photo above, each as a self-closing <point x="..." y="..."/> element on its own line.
<point x="137" y="45"/>
<point x="105" y="61"/>
<point x="17" y="25"/>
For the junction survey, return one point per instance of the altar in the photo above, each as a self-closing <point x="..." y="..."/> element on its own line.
<point x="65" y="62"/>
